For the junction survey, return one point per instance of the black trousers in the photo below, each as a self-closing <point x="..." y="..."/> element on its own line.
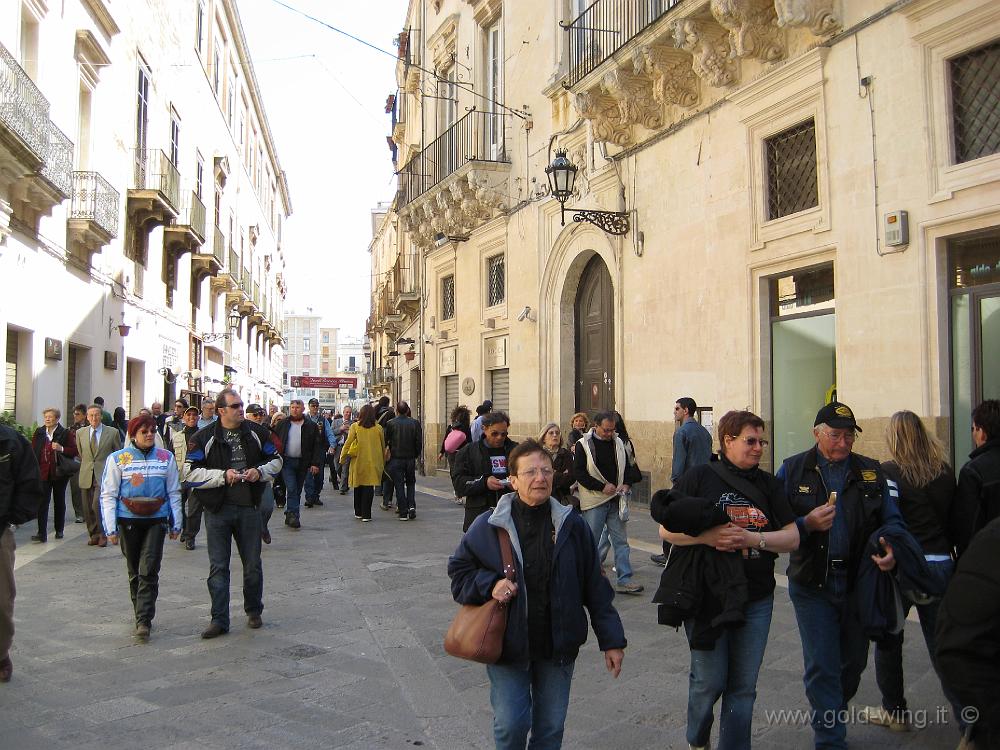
<point x="363" y="497"/>
<point x="142" y="546"/>
<point x="54" y="490"/>
<point x="192" y="514"/>
<point x="471" y="514"/>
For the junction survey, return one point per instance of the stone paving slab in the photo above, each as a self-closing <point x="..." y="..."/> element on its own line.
<point x="351" y="654"/>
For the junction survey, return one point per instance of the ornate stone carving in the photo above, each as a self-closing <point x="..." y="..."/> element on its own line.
<point x="818" y="15"/>
<point x="752" y="32"/>
<point x="710" y="51"/>
<point x="457" y="206"/>
<point x="579" y="157"/>
<point x="634" y="97"/>
<point x="673" y="80"/>
<point x="602" y="112"/>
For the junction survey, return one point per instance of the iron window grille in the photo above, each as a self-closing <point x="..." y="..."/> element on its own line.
<point x="791" y="170"/>
<point x="975" y="94"/>
<point x="448" y="298"/>
<point x="496" y="273"/>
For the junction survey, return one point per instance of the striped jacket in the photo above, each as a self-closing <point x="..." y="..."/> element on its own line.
<point x="131" y="473"/>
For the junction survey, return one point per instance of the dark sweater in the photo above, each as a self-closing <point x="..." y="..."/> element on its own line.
<point x="535" y="532"/>
<point x="926" y="509"/>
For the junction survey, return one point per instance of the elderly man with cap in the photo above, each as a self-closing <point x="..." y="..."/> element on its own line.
<point x="822" y="572"/>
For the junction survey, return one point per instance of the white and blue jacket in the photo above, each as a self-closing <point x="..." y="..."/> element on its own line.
<point x="131" y="472"/>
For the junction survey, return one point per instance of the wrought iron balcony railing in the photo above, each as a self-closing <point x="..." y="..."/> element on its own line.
<point x="58" y="166"/>
<point x="219" y="245"/>
<point x="245" y="282"/>
<point x="23" y="109"/>
<point x="155" y="171"/>
<point x="94" y="199"/>
<point x="404" y="275"/>
<point x="605" y="27"/>
<point x="193" y="215"/>
<point x="476" y="137"/>
<point x="234" y="260"/>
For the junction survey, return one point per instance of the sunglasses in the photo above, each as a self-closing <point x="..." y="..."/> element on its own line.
<point x="237" y="405"/>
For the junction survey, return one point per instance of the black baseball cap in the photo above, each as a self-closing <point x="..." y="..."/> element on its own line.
<point x="838" y="416"/>
<point x="314" y="401"/>
<point x="255" y="409"/>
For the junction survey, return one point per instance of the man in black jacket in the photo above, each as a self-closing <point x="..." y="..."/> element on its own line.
<point x="227" y="464"/>
<point x="302" y="449"/>
<point x="405" y="441"/>
<point x="480" y="471"/>
<point x="977" y="501"/>
<point x="20" y="494"/>
<point x="968" y="636"/>
<point x="823" y="570"/>
<point x="383" y="414"/>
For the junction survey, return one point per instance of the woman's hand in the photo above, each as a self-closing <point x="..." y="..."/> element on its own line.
<point x="613" y="661"/>
<point x="725" y="538"/>
<point x="504" y="590"/>
<point x="57" y="447"/>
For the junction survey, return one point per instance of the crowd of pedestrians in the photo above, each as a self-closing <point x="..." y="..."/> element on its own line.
<point x="866" y="541"/>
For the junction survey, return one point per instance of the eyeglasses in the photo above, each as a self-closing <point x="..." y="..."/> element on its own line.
<point x="752" y="441"/>
<point x="848" y="437"/>
<point x="497" y="434"/>
<point x="545" y="473"/>
<point x="237" y="405"/>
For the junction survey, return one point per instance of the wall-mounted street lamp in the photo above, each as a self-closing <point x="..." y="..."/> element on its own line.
<point x="562" y="179"/>
<point x="233" y="319"/>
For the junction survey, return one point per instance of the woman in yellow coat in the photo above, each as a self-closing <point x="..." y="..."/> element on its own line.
<point x="366" y="445"/>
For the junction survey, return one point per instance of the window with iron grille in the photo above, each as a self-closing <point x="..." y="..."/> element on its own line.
<point x="791" y="170"/>
<point x="975" y="96"/>
<point x="495" y="280"/>
<point x="448" y="297"/>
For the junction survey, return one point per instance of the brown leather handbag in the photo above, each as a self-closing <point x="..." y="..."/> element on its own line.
<point x="477" y="631"/>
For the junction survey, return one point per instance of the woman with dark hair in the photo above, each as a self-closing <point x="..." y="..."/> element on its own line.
<point x="926" y="486"/>
<point x="48" y="442"/>
<point x="727" y="520"/>
<point x="557" y="576"/>
<point x="365" y="445"/>
<point x="461" y="420"/>
<point x="120" y="420"/>
<point x="550" y="438"/>
<point x="140" y="505"/>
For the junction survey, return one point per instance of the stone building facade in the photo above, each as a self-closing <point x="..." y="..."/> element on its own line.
<point x="811" y="195"/>
<point x="141" y="205"/>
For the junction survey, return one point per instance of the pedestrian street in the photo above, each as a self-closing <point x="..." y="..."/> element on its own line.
<point x="350" y="654"/>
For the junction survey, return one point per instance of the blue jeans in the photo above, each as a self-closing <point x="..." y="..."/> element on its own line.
<point x="729" y="670"/>
<point x="889" y="651"/>
<point x="606" y="514"/>
<point x="241" y="523"/>
<point x="293" y="485"/>
<point x="404" y="478"/>
<point x="835" y="653"/>
<point x="314" y="485"/>
<point x="531" y="697"/>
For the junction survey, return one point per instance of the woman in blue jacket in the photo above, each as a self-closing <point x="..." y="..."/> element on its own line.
<point x="557" y="576"/>
<point x="140" y="505"/>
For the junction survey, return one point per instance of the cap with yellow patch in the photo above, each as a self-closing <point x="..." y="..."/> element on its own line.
<point x="838" y="416"/>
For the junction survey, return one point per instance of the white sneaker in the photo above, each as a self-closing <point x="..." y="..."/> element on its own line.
<point x="878" y="716"/>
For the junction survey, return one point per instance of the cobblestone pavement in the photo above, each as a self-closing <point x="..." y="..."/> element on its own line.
<point x="350" y="654"/>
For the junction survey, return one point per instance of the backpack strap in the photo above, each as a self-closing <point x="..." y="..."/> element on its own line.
<point x="740" y="484"/>
<point x="507" y="555"/>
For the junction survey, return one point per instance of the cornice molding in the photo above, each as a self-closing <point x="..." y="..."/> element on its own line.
<point x="102" y="15"/>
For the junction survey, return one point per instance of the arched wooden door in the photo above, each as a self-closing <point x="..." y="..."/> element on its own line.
<point x="594" y="316"/>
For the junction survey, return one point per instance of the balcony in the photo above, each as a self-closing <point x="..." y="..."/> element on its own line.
<point x="223" y="278"/>
<point x="458" y="182"/>
<point x="381" y="376"/>
<point x="154" y="197"/>
<point x="93" y="214"/>
<point x="405" y="285"/>
<point x="636" y="67"/>
<point x="24" y="117"/>
<point x="187" y="234"/>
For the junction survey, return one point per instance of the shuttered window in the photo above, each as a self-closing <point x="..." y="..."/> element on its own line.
<point x="10" y="373"/>
<point x="500" y="390"/>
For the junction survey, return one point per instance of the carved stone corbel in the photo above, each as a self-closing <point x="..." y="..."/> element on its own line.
<point x="633" y="94"/>
<point x="818" y="15"/>
<point x="602" y="112"/>
<point x="710" y="50"/>
<point x="673" y="80"/>
<point x="752" y="30"/>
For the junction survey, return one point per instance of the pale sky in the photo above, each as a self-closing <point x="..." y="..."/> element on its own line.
<point x="325" y="100"/>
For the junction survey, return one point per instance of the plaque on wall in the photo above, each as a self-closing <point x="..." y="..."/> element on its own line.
<point x="53" y="348"/>
<point x="468" y="386"/>
<point x="110" y="360"/>
<point x="449" y="361"/>
<point x="495" y="352"/>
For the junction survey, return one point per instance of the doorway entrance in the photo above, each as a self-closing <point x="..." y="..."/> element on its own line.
<point x="595" y="325"/>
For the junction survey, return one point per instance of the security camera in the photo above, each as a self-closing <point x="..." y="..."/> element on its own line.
<point x="525" y="314"/>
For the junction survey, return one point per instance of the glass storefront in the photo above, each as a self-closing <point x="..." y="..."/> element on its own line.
<point x="803" y="356"/>
<point x="974" y="282"/>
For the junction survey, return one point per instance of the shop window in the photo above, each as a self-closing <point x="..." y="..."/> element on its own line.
<point x="975" y="97"/>
<point x="791" y="170"/>
<point x="803" y="355"/>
